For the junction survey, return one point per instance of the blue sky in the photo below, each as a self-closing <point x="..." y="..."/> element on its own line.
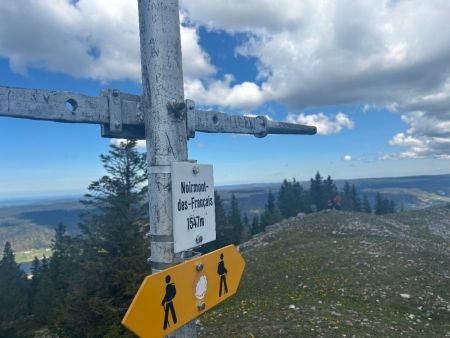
<point x="372" y="122"/>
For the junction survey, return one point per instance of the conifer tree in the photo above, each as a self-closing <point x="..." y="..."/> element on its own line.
<point x="271" y="212"/>
<point x="300" y="197"/>
<point x="286" y="200"/>
<point x="222" y="228"/>
<point x="316" y="192"/>
<point x="383" y="205"/>
<point x="255" y="225"/>
<point x="330" y="190"/>
<point x="235" y="220"/>
<point x="36" y="274"/>
<point x="13" y="295"/>
<point x="379" y="205"/>
<point x="391" y="208"/>
<point x="347" y="198"/>
<point x="246" y="231"/>
<point x="355" y="199"/>
<point x="113" y="248"/>
<point x="366" y="205"/>
<point x="43" y="298"/>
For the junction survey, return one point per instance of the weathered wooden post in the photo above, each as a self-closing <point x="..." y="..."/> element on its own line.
<point x="165" y="123"/>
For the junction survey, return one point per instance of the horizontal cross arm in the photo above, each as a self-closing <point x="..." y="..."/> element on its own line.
<point x="260" y="126"/>
<point x="38" y="104"/>
<point x="120" y="114"/>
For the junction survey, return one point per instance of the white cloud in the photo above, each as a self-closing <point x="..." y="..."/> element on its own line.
<point x="347" y="157"/>
<point x="225" y="93"/>
<point x="309" y="53"/>
<point x="391" y="54"/>
<point x="88" y="39"/>
<point x="139" y="143"/>
<point x="420" y="146"/>
<point x="325" y="124"/>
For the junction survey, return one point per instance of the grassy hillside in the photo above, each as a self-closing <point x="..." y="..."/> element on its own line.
<point x="341" y="275"/>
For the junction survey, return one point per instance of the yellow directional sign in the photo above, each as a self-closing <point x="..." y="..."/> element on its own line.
<point x="170" y="298"/>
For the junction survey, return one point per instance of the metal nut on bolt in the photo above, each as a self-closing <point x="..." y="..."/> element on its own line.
<point x="195" y="169"/>
<point x="199" y="267"/>
<point x="201" y="306"/>
<point x="199" y="239"/>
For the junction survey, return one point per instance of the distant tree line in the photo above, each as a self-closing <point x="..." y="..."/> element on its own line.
<point x="86" y="286"/>
<point x="233" y="227"/>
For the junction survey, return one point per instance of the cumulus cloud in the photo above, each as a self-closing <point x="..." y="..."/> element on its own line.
<point x="420" y="146"/>
<point x="309" y="53"/>
<point x="325" y="124"/>
<point x="224" y="92"/>
<point x="84" y="39"/>
<point x="140" y="144"/>
<point x="390" y="54"/>
<point x="347" y="157"/>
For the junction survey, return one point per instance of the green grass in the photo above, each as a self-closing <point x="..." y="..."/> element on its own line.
<point x="28" y="256"/>
<point x="342" y="280"/>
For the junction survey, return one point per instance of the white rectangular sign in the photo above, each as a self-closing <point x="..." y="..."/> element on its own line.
<point x="194" y="217"/>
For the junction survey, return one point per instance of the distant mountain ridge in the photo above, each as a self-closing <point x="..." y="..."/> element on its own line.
<point x="30" y="223"/>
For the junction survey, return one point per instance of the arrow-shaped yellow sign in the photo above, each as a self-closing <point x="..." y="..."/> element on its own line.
<point x="169" y="299"/>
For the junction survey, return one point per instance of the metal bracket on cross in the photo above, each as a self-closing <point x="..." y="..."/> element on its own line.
<point x="121" y="115"/>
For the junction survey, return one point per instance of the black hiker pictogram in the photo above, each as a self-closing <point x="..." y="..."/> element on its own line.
<point x="167" y="303"/>
<point x="222" y="272"/>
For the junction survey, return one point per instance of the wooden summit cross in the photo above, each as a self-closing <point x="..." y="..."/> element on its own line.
<point x="161" y="116"/>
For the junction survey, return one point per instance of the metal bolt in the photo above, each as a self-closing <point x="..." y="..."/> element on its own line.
<point x="201" y="306"/>
<point x="199" y="267"/>
<point x="195" y="170"/>
<point x="199" y="239"/>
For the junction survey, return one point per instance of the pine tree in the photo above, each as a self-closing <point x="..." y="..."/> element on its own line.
<point x="36" y="275"/>
<point x="329" y="190"/>
<point x="300" y="198"/>
<point x="347" y="198"/>
<point x="316" y="191"/>
<point x="235" y="220"/>
<point x="43" y="298"/>
<point x="391" y="207"/>
<point x="113" y="248"/>
<point x="379" y="205"/>
<point x="246" y="231"/>
<point x="286" y="202"/>
<point x="222" y="227"/>
<point x="13" y="295"/>
<point x="255" y="225"/>
<point x="366" y="205"/>
<point x="355" y="199"/>
<point x="383" y="205"/>
<point x="271" y="213"/>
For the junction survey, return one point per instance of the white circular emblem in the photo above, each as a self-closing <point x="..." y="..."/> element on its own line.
<point x="201" y="287"/>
